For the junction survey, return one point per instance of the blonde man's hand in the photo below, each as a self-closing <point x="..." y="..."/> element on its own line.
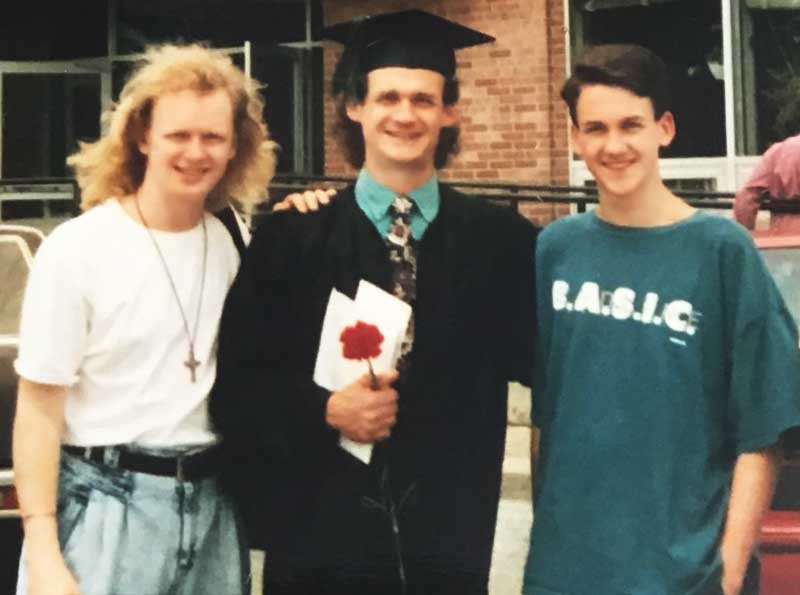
<point x="309" y="200"/>
<point x="48" y="574"/>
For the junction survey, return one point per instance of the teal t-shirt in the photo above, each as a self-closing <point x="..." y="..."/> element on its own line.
<point x="663" y="353"/>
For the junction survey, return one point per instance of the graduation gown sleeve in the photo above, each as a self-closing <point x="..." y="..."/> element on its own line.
<point x="264" y="402"/>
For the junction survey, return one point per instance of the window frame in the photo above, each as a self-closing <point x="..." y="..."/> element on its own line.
<point x="731" y="170"/>
<point x="307" y="125"/>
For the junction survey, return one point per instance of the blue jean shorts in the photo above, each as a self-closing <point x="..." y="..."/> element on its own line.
<point x="127" y="533"/>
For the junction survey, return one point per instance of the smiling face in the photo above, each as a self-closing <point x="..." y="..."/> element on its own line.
<point x="189" y="143"/>
<point x="401" y="118"/>
<point x="619" y="138"/>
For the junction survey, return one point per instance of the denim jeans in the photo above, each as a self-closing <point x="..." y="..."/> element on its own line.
<point x="125" y="533"/>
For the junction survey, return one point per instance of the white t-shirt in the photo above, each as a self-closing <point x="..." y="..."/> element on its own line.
<point x="100" y="318"/>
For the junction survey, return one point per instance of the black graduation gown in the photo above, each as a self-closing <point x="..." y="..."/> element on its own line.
<point x="303" y="498"/>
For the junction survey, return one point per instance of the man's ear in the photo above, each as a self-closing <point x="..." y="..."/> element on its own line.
<point x="666" y="124"/>
<point x="354" y="111"/>
<point x="143" y="143"/>
<point x="452" y="116"/>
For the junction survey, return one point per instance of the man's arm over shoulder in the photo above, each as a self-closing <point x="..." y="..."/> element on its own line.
<point x="308" y="200"/>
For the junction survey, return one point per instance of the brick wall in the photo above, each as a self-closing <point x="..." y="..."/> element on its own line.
<point x="513" y="125"/>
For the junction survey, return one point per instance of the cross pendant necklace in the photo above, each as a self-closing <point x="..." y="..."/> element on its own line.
<point x="192" y="362"/>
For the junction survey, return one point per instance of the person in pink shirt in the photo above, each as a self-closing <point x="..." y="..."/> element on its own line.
<point x="778" y="176"/>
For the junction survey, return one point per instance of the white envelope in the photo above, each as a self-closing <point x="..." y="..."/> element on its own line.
<point x="332" y="370"/>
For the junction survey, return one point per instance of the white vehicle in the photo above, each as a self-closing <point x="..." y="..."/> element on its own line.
<point x="17" y="247"/>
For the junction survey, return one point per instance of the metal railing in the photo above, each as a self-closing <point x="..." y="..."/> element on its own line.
<point x="47" y="190"/>
<point x="515" y="194"/>
<point x="42" y="190"/>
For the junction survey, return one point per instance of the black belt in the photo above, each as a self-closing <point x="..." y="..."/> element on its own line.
<point x="189" y="467"/>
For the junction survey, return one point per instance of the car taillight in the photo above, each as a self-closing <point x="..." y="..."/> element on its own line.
<point x="8" y="498"/>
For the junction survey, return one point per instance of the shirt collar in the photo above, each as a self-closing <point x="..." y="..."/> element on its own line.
<point x="375" y="199"/>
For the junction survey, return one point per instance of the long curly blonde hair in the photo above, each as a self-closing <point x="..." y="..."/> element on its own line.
<point x="114" y="166"/>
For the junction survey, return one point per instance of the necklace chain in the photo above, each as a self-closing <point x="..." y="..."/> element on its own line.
<point x="191" y="336"/>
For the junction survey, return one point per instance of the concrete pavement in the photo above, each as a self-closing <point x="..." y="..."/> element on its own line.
<point x="514" y="516"/>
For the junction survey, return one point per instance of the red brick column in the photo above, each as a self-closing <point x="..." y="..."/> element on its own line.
<point x="513" y="123"/>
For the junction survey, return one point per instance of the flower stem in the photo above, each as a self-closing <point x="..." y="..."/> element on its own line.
<point x="373" y="380"/>
<point x="393" y="512"/>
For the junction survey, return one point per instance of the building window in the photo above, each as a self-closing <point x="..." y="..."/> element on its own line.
<point x="688" y="37"/>
<point x="768" y="73"/>
<point x="217" y="22"/>
<point x="763" y="74"/>
<point x="293" y="92"/>
<point x="47" y="30"/>
<point x="280" y="53"/>
<point x="46" y="114"/>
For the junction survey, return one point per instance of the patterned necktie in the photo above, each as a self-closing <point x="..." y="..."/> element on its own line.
<point x="403" y="256"/>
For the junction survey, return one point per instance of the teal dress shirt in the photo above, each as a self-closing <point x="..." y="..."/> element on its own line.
<point x="375" y="200"/>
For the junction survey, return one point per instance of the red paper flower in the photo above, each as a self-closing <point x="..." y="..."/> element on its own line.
<point x="361" y="341"/>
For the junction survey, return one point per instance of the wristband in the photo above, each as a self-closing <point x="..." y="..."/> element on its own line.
<point x="34" y="515"/>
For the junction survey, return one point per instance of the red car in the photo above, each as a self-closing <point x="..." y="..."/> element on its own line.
<point x="780" y="532"/>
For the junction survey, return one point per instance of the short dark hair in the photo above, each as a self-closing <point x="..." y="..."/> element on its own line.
<point x="351" y="136"/>
<point x="629" y="67"/>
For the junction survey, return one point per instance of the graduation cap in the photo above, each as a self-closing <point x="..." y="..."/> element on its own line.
<point x="409" y="39"/>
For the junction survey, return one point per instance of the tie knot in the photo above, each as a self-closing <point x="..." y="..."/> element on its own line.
<point x="402" y="205"/>
<point x="400" y="227"/>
